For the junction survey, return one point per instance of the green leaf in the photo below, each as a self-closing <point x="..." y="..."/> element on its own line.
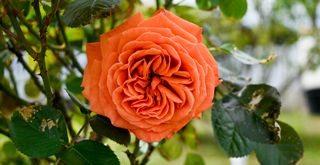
<point x="244" y="57"/>
<point x="171" y="149"/>
<point x="263" y="99"/>
<point x="235" y="9"/>
<point x="263" y="104"/>
<point x="194" y="159"/>
<point x="73" y="84"/>
<point x="103" y="126"/>
<point x="83" y="107"/>
<point x="88" y="152"/>
<point x="82" y="12"/>
<point x="249" y="124"/>
<point x="207" y="4"/>
<point x="254" y="112"/>
<point x="38" y="131"/>
<point x="288" y="152"/>
<point x="230" y="139"/>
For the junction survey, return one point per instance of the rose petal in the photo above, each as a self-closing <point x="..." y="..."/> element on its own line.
<point x="161" y="20"/>
<point x="188" y="26"/>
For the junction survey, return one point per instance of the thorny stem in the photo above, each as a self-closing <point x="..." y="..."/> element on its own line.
<point x="43" y="25"/>
<point x="18" y="30"/>
<point x="8" y="32"/>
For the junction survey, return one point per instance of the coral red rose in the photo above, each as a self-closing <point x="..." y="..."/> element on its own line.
<point x="150" y="76"/>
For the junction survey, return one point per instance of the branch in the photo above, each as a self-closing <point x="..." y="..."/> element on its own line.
<point x="8" y="32"/>
<point x="43" y="25"/>
<point x="18" y="30"/>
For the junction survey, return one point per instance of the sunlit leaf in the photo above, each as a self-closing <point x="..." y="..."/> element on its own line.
<point x="89" y="152"/>
<point x="38" y="131"/>
<point x="288" y="152"/>
<point x="171" y="149"/>
<point x="207" y="4"/>
<point x="82" y="12"/>
<point x="235" y="9"/>
<point x="103" y="126"/>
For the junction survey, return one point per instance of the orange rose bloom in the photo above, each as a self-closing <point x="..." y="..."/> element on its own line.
<point x="150" y="76"/>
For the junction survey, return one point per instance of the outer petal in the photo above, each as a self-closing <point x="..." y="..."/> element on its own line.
<point x="150" y="136"/>
<point x="129" y="23"/>
<point x="188" y="26"/>
<point x="93" y="53"/>
<point x="161" y="20"/>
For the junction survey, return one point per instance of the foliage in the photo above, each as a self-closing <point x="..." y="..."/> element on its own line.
<point x="47" y="40"/>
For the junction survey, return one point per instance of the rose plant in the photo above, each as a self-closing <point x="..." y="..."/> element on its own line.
<point x="144" y="81"/>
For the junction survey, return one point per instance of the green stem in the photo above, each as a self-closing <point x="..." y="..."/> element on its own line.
<point x="68" y="46"/>
<point x="113" y="20"/>
<point x="136" y="147"/>
<point x="18" y="30"/>
<point x="44" y="75"/>
<point x="79" y="132"/>
<point x="158" y="4"/>
<point x="43" y="25"/>
<point x="168" y="4"/>
<point x="8" y="32"/>
<point x="133" y="156"/>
